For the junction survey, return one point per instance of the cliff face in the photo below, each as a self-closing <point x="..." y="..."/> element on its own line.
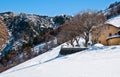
<point x="4" y="35"/>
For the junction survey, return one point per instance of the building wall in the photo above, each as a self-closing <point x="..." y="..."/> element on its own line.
<point x="114" y="41"/>
<point x="106" y="31"/>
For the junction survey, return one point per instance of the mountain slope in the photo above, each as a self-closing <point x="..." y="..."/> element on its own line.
<point x="113" y="10"/>
<point x="98" y="61"/>
<point x="30" y="26"/>
<point x="27" y="31"/>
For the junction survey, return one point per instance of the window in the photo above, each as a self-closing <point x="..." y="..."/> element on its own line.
<point x="118" y="32"/>
<point x="99" y="41"/>
<point x="110" y="34"/>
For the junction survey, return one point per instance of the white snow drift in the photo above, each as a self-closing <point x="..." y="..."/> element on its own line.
<point x="98" y="61"/>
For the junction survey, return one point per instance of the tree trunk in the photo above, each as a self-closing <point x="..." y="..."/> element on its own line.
<point x="77" y="41"/>
<point x="86" y="39"/>
<point x="71" y="42"/>
<point x="86" y="42"/>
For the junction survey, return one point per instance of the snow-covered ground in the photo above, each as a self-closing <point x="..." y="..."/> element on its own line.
<point x="97" y="61"/>
<point x="81" y="43"/>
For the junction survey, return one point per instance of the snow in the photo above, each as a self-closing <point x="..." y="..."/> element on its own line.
<point x="32" y="17"/>
<point x="18" y="43"/>
<point x="114" y="21"/>
<point x="113" y="36"/>
<point x="37" y="60"/>
<point x="81" y="42"/>
<point x="38" y="47"/>
<point x="99" y="45"/>
<point x="103" y="62"/>
<point x="41" y="46"/>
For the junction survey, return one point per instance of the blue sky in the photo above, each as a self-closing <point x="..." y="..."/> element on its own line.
<point x="53" y="7"/>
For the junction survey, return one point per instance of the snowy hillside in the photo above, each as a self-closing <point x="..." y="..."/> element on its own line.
<point x="27" y="27"/>
<point x="26" y="31"/>
<point x="113" y="10"/>
<point x="97" y="61"/>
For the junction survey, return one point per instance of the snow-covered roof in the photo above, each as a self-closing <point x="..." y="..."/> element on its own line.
<point x="113" y="36"/>
<point x="114" y="21"/>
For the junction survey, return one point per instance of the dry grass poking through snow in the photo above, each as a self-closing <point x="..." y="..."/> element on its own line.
<point x="4" y="35"/>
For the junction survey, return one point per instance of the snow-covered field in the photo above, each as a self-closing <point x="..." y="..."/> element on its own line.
<point x="98" y="61"/>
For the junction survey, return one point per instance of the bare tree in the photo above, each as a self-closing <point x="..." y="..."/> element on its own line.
<point x="96" y="33"/>
<point x="82" y="25"/>
<point x="87" y="21"/>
